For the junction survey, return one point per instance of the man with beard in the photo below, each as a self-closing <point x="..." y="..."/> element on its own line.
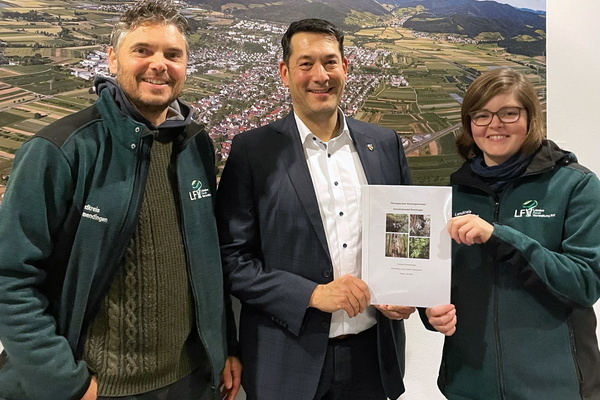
<point x="110" y="274"/>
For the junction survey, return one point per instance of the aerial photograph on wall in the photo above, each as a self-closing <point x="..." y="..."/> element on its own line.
<point x="410" y="63"/>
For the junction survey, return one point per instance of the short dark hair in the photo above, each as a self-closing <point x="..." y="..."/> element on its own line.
<point x="144" y="12"/>
<point x="313" y="25"/>
<point x="487" y="86"/>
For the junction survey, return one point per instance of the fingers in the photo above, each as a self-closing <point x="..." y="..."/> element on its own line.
<point x="231" y="378"/>
<point x="92" y="392"/>
<point x="443" y="318"/>
<point x="396" y="312"/>
<point x="227" y="377"/>
<point x="347" y="293"/>
<point x="470" y="229"/>
<point x="439" y="310"/>
<point x="358" y="296"/>
<point x="351" y="293"/>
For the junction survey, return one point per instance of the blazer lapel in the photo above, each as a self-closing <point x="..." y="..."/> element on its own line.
<point x="297" y="169"/>
<point x="367" y="148"/>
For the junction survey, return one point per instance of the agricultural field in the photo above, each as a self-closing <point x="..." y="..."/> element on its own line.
<point x="426" y="113"/>
<point x="424" y="110"/>
<point x="31" y="97"/>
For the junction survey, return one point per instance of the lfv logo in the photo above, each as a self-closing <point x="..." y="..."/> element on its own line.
<point x="527" y="209"/>
<point x="197" y="192"/>
<point x="530" y="209"/>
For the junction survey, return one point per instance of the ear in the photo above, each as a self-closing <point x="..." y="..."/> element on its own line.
<point x="284" y="72"/>
<point x="112" y="60"/>
<point x="345" y="65"/>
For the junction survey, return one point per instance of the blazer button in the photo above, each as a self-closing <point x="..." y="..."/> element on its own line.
<point x="327" y="273"/>
<point x="325" y="326"/>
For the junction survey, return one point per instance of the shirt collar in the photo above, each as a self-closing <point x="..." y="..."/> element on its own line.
<point x="306" y="136"/>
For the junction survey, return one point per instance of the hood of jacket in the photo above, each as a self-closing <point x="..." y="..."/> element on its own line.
<point x="180" y="114"/>
<point x="546" y="157"/>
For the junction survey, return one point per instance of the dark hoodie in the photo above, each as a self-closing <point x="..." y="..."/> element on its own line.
<point x="178" y="116"/>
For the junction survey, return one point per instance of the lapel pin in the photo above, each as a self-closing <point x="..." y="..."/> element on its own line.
<point x="370" y="147"/>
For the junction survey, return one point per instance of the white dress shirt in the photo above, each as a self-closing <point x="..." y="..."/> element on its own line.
<point x="337" y="175"/>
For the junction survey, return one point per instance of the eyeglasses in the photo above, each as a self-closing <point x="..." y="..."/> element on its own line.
<point x="508" y="115"/>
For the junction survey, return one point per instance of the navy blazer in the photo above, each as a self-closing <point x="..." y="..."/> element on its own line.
<point x="275" y="253"/>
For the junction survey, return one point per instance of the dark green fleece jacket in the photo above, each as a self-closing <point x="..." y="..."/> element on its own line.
<point x="526" y="326"/>
<point x="69" y="211"/>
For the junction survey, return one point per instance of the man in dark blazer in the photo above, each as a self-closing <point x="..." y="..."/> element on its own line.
<point x="288" y="210"/>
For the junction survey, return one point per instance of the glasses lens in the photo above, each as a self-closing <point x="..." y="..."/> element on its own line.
<point x="509" y="114"/>
<point x="481" y="118"/>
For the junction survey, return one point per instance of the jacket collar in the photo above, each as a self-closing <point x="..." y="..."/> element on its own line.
<point x="297" y="169"/>
<point x="367" y="148"/>
<point x="292" y="155"/>
<point x="546" y="157"/>
<point x="366" y="145"/>
<point x="131" y="125"/>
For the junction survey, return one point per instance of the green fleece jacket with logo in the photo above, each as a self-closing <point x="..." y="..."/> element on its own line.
<point x="526" y="326"/>
<point x="69" y="211"/>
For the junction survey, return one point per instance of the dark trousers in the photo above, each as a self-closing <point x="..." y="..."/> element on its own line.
<point x="351" y="369"/>
<point x="195" y="386"/>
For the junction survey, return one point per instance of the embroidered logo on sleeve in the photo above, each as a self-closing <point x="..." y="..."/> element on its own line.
<point x="197" y="192"/>
<point x="93" y="213"/>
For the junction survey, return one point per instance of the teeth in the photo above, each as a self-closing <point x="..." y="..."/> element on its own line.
<point x="155" y="82"/>
<point x="497" y="137"/>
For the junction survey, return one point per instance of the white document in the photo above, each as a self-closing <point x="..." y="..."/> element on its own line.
<point x="406" y="249"/>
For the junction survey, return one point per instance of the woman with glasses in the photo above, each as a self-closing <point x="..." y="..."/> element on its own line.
<point x="526" y="262"/>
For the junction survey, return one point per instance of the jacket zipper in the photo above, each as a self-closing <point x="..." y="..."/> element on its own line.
<point x="139" y="184"/>
<point x="496" y="322"/>
<point x="189" y="272"/>
<point x="574" y="350"/>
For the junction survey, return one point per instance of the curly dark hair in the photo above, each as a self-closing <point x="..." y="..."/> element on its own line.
<point x="144" y="12"/>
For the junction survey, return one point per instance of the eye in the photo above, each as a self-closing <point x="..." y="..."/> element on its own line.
<point x="305" y="65"/>
<point x="331" y="64"/>
<point x="509" y="112"/>
<point x="480" y="115"/>
<point x="174" y="55"/>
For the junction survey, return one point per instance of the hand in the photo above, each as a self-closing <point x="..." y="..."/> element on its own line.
<point x="231" y="378"/>
<point x="470" y="229"/>
<point x="92" y="392"/>
<point x="442" y="318"/>
<point x="347" y="293"/>
<point x="396" y="312"/>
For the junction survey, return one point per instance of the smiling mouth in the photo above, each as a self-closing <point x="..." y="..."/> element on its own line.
<point x="497" y="137"/>
<point x="322" y="91"/>
<point x="155" y="81"/>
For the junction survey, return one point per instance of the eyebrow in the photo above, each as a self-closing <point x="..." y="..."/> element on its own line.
<point x="311" y="57"/>
<point x="501" y="108"/>
<point x="140" y="44"/>
<point x="146" y="44"/>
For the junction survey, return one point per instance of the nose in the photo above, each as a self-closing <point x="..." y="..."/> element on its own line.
<point x="320" y="73"/>
<point x="495" y="122"/>
<point x="158" y="62"/>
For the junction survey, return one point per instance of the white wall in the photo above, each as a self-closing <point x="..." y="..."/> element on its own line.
<point x="574" y="82"/>
<point x="573" y="108"/>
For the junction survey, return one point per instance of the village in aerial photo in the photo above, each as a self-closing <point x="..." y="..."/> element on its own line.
<point x="410" y="62"/>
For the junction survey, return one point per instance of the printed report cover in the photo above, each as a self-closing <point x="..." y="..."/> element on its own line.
<point x="406" y="256"/>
